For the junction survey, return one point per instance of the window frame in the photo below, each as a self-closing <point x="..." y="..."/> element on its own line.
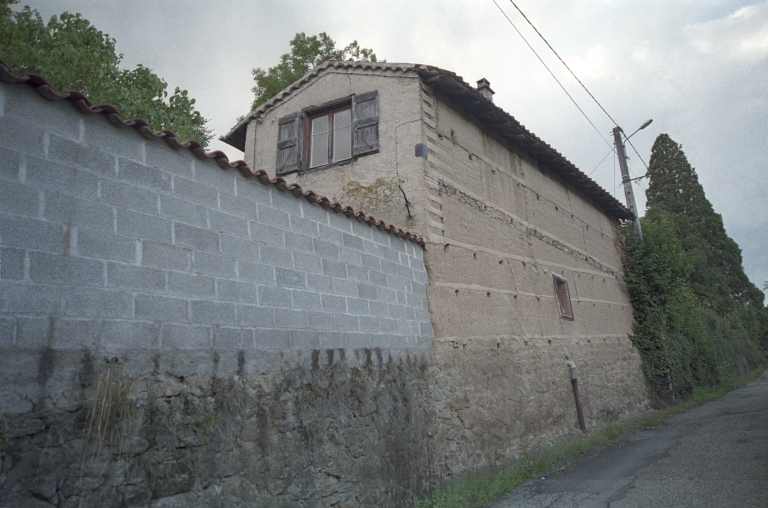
<point x="326" y="110"/>
<point x="564" y="306"/>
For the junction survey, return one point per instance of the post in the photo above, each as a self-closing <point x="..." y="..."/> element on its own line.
<point x="625" y="179"/>
<point x="576" y="395"/>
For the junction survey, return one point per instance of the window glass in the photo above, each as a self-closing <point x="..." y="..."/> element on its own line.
<point x="319" y="155"/>
<point x="342" y="135"/>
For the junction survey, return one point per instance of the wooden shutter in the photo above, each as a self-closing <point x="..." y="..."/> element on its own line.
<point x="365" y="121"/>
<point x="288" y="144"/>
<point x="563" y="297"/>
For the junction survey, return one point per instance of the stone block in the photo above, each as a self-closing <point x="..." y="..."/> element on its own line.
<point x="333" y="340"/>
<point x="304" y="226"/>
<point x="319" y="283"/>
<point x="274" y="297"/>
<point x="286" y="202"/>
<point x="272" y="217"/>
<point x="334" y="269"/>
<point x="330" y="234"/>
<point x="65" y="271"/>
<point x="213" y="175"/>
<point x="229" y="224"/>
<point x="398" y="244"/>
<point x="186" y="337"/>
<point x="358" y="307"/>
<point x="389" y="325"/>
<point x="10" y="162"/>
<point x="380" y="309"/>
<point x="314" y="212"/>
<point x="161" y="308"/>
<point x="11" y="264"/>
<point x="397" y="312"/>
<point x="358" y="340"/>
<point x="357" y="273"/>
<point x="143" y="226"/>
<point x="78" y="212"/>
<point x="183" y="284"/>
<point x="254" y="315"/>
<point x="196" y="192"/>
<point x="238" y="248"/>
<point x="389" y="268"/>
<point x="345" y="287"/>
<point x="216" y="313"/>
<point x="121" y="142"/>
<point x="21" y="137"/>
<point x="160" y="255"/>
<point x="320" y="321"/>
<point x="369" y="324"/>
<point x="238" y="206"/>
<point x="213" y="265"/>
<point x="353" y="242"/>
<point x="371" y="262"/>
<point x="367" y="291"/>
<point x="340" y="222"/>
<point x="267" y="234"/>
<point x="253" y="190"/>
<point x="387" y="295"/>
<point x="326" y="250"/>
<point x="19" y="199"/>
<point x="233" y="339"/>
<point x="239" y="292"/>
<point x="81" y="302"/>
<point x="70" y="152"/>
<point x="77" y="334"/>
<point x="67" y="180"/>
<point x="377" y="278"/>
<point x="307" y="263"/>
<point x="96" y="244"/>
<point x="140" y="278"/>
<point x="305" y="339"/>
<point x="180" y="210"/>
<point x="34" y="333"/>
<point x="362" y="229"/>
<point x="305" y="300"/>
<point x="381" y="237"/>
<point x="335" y="304"/>
<point x="288" y="278"/>
<point x="195" y="238"/>
<point x="128" y="196"/>
<point x="17" y="298"/>
<point x="159" y="155"/>
<point x="270" y="339"/>
<point x="350" y="257"/>
<point x="298" y="243"/>
<point x="143" y="176"/>
<point x="289" y="318"/>
<point x="275" y="256"/>
<point x="347" y="323"/>
<point x="405" y="272"/>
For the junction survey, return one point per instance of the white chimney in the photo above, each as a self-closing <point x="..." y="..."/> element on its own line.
<point x="484" y="87"/>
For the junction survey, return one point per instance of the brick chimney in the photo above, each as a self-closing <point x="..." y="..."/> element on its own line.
<point x="484" y="87"/>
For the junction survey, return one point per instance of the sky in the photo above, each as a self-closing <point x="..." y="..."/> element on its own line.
<point x="698" y="68"/>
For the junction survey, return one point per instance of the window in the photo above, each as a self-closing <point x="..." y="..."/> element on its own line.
<point x="563" y="297"/>
<point x="328" y="134"/>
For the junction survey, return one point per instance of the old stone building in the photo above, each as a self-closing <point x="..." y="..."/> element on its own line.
<point x="522" y="249"/>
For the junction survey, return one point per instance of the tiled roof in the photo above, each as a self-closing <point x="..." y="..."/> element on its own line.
<point x="83" y="105"/>
<point x="462" y="93"/>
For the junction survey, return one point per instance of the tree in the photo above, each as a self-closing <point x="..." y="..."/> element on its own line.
<point x="306" y="54"/>
<point x="73" y="54"/>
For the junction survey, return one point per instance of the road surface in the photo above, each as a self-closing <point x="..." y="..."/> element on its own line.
<point x="715" y="455"/>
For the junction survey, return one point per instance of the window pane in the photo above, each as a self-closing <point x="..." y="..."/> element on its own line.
<point x="342" y="135"/>
<point x="319" y="149"/>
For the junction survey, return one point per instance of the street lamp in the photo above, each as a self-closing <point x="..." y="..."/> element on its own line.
<point x="628" y="193"/>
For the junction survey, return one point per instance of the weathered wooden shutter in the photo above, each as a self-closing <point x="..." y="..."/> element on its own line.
<point x="365" y="118"/>
<point x="563" y="298"/>
<point x="288" y="144"/>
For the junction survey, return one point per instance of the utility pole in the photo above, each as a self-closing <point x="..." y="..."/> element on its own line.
<point x="625" y="179"/>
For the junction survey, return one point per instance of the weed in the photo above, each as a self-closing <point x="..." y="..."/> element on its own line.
<point x="209" y="420"/>
<point x="5" y="440"/>
<point x="109" y="407"/>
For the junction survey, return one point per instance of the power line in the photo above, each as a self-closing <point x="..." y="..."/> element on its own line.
<point x="603" y="160"/>
<point x="561" y="60"/>
<point x="638" y="154"/>
<point x="552" y="74"/>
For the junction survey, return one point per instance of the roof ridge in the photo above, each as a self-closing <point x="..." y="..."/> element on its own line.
<point x="82" y="103"/>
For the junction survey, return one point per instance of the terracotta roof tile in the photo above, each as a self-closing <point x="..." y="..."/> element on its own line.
<point x="84" y="106"/>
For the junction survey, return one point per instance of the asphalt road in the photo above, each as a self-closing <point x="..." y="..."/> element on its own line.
<point x="715" y="455"/>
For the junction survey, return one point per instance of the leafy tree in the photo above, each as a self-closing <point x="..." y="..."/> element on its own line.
<point x="73" y="54"/>
<point x="306" y="54"/>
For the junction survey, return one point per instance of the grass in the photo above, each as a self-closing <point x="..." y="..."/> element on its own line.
<point x="481" y="489"/>
<point x="109" y="407"/>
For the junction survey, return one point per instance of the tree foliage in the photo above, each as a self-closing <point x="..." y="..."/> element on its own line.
<point x="306" y="54"/>
<point x="73" y="54"/>
<point x="698" y="318"/>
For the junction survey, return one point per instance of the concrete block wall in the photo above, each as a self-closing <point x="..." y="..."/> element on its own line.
<point x="111" y="241"/>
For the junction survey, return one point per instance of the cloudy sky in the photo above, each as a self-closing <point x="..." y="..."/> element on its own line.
<point x="698" y="68"/>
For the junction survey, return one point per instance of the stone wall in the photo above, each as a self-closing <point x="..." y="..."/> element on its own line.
<point x="249" y="343"/>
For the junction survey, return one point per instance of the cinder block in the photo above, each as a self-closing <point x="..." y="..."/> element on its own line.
<point x="389" y="325"/>
<point x="347" y="323"/>
<point x="308" y="263"/>
<point x="397" y="244"/>
<point x="76" y="333"/>
<point x="367" y="291"/>
<point x="130" y="335"/>
<point x="239" y="292"/>
<point x="195" y="238"/>
<point x="267" y="234"/>
<point x="34" y="333"/>
<point x="24" y="103"/>
<point x="293" y="319"/>
<point x="340" y="222"/>
<point x="128" y="196"/>
<point x="345" y="287"/>
<point x="100" y="245"/>
<point x="143" y="176"/>
<point x="64" y="179"/>
<point x="216" y="313"/>
<point x="397" y="311"/>
<point x="272" y="217"/>
<point x="358" y="307"/>
<point x="141" y="278"/>
<point x="333" y="340"/>
<point x="371" y="262"/>
<point x="160" y="255"/>
<point x="380" y="309"/>
<point x="238" y="248"/>
<point x="418" y="253"/>
<point x="274" y="297"/>
<point x="306" y="300"/>
<point x="78" y="212"/>
<point x="357" y="273"/>
<point x="211" y="174"/>
<point x="409" y="313"/>
<point x="320" y="321"/>
<point x="19" y="199"/>
<point x="254" y="315"/>
<point x="238" y="206"/>
<point x="143" y="226"/>
<point x="214" y="265"/>
<point x="421" y="277"/>
<point x="335" y="304"/>
<point x="121" y="142"/>
<point x="424" y="342"/>
<point x="402" y="299"/>
<point x="314" y="212"/>
<point x="21" y="137"/>
<point x="304" y="339"/>
<point x="186" y="337"/>
<point x="288" y="278"/>
<point x="298" y="243"/>
<point x="70" y="152"/>
<point x="286" y="202"/>
<point x="369" y="324"/>
<point x="256" y="272"/>
<point x="395" y="283"/>
<point x="389" y="268"/>
<point x="233" y="339"/>
<point x="350" y="257"/>
<point x="425" y="329"/>
<point x="362" y="230"/>
<point x="304" y="226"/>
<point x="405" y="272"/>
<point x="183" y="284"/>
<point x="334" y="269"/>
<point x="7" y="327"/>
<point x="159" y="155"/>
<point x="11" y="264"/>
<point x="65" y="271"/>
<point x="387" y="295"/>
<point x="81" y="302"/>
<point x="10" y="162"/>
<point x="183" y="211"/>
<point x="229" y="224"/>
<point x="326" y="250"/>
<point x="161" y="308"/>
<point x="380" y="237"/>
<point x="16" y="298"/>
<point x="398" y="341"/>
<point x="270" y="339"/>
<point x="320" y="283"/>
<point x="353" y="242"/>
<point x="377" y="278"/>
<point x="275" y="256"/>
<point x="358" y="340"/>
<point x="390" y="255"/>
<point x="419" y="289"/>
<point x="196" y="192"/>
<point x="330" y="235"/>
<point x="253" y="190"/>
